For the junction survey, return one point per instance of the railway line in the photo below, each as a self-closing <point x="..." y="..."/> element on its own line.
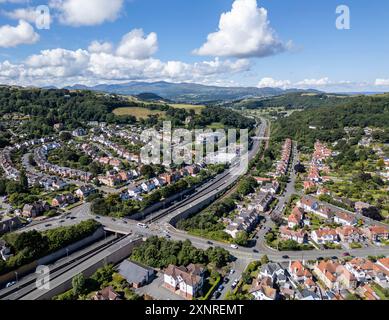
<point x="27" y="286"/>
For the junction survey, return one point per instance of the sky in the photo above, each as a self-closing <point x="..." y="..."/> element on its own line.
<point x="259" y="43"/>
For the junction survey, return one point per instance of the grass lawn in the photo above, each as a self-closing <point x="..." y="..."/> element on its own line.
<point x="139" y="113"/>
<point x="216" y="125"/>
<point x="379" y="291"/>
<point x="196" y="108"/>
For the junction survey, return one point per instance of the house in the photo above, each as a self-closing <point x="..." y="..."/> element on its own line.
<point x="263" y="289"/>
<point x="296" y="218"/>
<point x="136" y="274"/>
<point x="335" y="276"/>
<point x="184" y="281"/>
<point x="362" y="269"/>
<point x="376" y="233"/>
<point x="80" y="132"/>
<point x="246" y="220"/>
<point x="360" y="206"/>
<point x="299" y="273"/>
<point x="85" y="191"/>
<point x="106" y="294"/>
<point x="299" y="236"/>
<point x="325" y="235"/>
<point x="271" y="187"/>
<point x="35" y="209"/>
<point x="63" y="200"/>
<point x="262" y="201"/>
<point x="384" y="264"/>
<point x="344" y="218"/>
<point x="367" y="293"/>
<point x="148" y="186"/>
<point x="134" y="191"/>
<point x="349" y="234"/>
<point x="275" y="272"/>
<point x="308" y="185"/>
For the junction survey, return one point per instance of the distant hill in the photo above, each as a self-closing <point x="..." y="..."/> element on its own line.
<point x="147" y="96"/>
<point x="186" y="92"/>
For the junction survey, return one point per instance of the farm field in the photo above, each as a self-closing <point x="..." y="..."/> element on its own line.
<point x="196" y="108"/>
<point x="139" y="113"/>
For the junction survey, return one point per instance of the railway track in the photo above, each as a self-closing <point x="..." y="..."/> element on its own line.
<point x="16" y="293"/>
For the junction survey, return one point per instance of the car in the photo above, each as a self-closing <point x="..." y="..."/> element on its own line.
<point x="73" y="218"/>
<point x="226" y="280"/>
<point x="232" y="271"/>
<point x="217" y="295"/>
<point x="48" y="225"/>
<point x="62" y="221"/>
<point x="255" y="251"/>
<point x="210" y="242"/>
<point x="320" y="258"/>
<point x="142" y="225"/>
<point x="234" y="246"/>
<point x="346" y="254"/>
<point x="113" y="219"/>
<point x="125" y="222"/>
<point x="10" y="284"/>
<point x="221" y="288"/>
<point x="285" y="257"/>
<point x="334" y="258"/>
<point x="234" y="284"/>
<point x="97" y="217"/>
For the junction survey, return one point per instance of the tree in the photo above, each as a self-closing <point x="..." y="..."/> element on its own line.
<point x="147" y="171"/>
<point x="372" y="213"/>
<point x="65" y="136"/>
<point x="265" y="260"/>
<point x="242" y="238"/>
<point x="23" y="181"/>
<point x="78" y="284"/>
<point x="299" y="168"/>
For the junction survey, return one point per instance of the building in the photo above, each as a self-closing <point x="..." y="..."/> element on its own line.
<point x="349" y="234"/>
<point x="184" y="281"/>
<point x="325" y="235"/>
<point x="275" y="272"/>
<point x="335" y="276"/>
<point x="106" y="294"/>
<point x="299" y="236"/>
<point x="300" y="274"/>
<point x="85" y="191"/>
<point x="136" y="274"/>
<point x="261" y="202"/>
<point x="263" y="290"/>
<point x="35" y="209"/>
<point x="296" y="218"/>
<point x="376" y="233"/>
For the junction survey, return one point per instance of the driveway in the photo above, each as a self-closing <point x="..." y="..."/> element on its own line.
<point x="158" y="291"/>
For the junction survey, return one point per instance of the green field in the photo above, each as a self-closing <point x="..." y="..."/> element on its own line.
<point x="196" y="108"/>
<point x="139" y="113"/>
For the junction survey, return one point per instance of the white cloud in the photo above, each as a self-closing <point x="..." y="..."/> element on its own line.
<point x="101" y="62"/>
<point x="314" y="82"/>
<point x="136" y="45"/>
<point x="98" y="47"/>
<point x="86" y="13"/>
<point x="381" y="82"/>
<point x="243" y="32"/>
<point x="27" y="14"/>
<point x="272" y="83"/>
<point x="23" y="33"/>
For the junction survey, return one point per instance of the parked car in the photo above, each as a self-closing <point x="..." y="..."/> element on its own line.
<point x="217" y="295"/>
<point x="142" y="225"/>
<point x="346" y="254"/>
<point x="285" y="257"/>
<point x="234" y="246"/>
<point x="232" y="271"/>
<point x="210" y="243"/>
<point x="226" y="280"/>
<point x="255" y="251"/>
<point x="10" y="284"/>
<point x="221" y="288"/>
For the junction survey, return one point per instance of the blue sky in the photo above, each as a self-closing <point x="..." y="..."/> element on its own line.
<point x="263" y="43"/>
